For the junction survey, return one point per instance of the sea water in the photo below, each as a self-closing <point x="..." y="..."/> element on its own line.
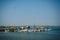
<point x="51" y="35"/>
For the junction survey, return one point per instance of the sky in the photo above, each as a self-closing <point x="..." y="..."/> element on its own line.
<point x="39" y="12"/>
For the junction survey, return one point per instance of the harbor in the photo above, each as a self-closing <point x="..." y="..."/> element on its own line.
<point x="28" y="35"/>
<point x="24" y="28"/>
<point x="51" y="35"/>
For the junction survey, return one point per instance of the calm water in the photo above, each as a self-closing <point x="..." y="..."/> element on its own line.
<point x="30" y="36"/>
<point x="52" y="35"/>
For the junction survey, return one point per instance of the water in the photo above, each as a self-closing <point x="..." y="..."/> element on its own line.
<point x="51" y="35"/>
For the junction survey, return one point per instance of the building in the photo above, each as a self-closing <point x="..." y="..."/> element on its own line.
<point x="13" y="29"/>
<point x="3" y="29"/>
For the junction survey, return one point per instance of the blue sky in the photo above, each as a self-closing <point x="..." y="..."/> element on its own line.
<point x="39" y="12"/>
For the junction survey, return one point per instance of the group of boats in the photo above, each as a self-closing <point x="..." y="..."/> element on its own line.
<point x="25" y="29"/>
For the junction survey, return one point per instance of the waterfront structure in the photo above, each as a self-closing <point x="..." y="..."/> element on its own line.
<point x="3" y="29"/>
<point x="12" y="28"/>
<point x="25" y="28"/>
<point x="28" y="28"/>
<point x="22" y="29"/>
<point x="33" y="29"/>
<point x="19" y="28"/>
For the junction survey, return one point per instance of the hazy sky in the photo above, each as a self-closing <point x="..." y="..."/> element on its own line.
<point x="39" y="12"/>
